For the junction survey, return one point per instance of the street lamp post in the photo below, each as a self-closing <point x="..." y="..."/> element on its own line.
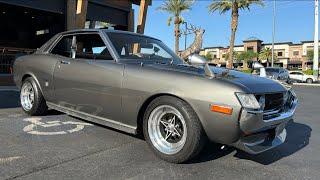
<point x="273" y="30"/>
<point x="316" y="41"/>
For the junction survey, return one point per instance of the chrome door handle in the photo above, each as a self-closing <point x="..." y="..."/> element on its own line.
<point x="64" y="62"/>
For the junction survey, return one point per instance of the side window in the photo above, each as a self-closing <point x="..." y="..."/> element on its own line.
<point x="63" y="47"/>
<point x="91" y="46"/>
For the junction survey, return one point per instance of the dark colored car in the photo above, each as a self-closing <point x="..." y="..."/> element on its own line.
<point x="135" y="83"/>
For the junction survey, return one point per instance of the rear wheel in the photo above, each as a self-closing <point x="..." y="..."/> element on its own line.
<point x="309" y="81"/>
<point x="173" y="130"/>
<point x="31" y="98"/>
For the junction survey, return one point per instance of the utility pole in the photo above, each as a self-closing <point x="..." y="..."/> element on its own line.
<point x="273" y="30"/>
<point x="316" y="41"/>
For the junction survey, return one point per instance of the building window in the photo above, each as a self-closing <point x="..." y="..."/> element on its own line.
<point x="296" y="53"/>
<point x="280" y="54"/>
<point x="250" y="48"/>
<point x="215" y="56"/>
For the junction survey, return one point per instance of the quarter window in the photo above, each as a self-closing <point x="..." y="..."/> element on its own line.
<point x="63" y="47"/>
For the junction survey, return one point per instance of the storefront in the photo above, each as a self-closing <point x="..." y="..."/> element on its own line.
<point x="27" y="24"/>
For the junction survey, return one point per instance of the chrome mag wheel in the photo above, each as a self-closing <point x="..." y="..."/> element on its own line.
<point x="167" y="129"/>
<point x="27" y="96"/>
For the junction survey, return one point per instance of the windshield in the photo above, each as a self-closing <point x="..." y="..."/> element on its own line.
<point x="130" y="47"/>
<point x="272" y="71"/>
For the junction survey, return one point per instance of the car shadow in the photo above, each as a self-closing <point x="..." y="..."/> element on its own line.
<point x="297" y="138"/>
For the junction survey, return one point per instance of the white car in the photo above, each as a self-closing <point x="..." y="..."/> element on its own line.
<point x="301" y="77"/>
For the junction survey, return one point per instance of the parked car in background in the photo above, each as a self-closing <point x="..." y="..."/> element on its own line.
<point x="278" y="73"/>
<point x="299" y="76"/>
<point x="135" y="83"/>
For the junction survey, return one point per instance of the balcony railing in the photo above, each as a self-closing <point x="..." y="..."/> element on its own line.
<point x="8" y="56"/>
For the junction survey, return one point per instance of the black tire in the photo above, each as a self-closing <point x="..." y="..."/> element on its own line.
<point x="39" y="106"/>
<point x="195" y="138"/>
<point x="309" y="81"/>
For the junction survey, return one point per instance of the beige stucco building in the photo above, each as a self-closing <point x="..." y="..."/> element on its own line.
<point x="289" y="55"/>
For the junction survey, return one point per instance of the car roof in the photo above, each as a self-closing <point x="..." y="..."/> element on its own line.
<point x="274" y="68"/>
<point x="104" y="30"/>
<point x="296" y="71"/>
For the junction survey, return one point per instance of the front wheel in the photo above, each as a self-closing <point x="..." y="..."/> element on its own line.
<point x="173" y="130"/>
<point x="32" y="101"/>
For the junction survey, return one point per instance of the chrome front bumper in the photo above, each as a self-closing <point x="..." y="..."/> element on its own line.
<point x="259" y="134"/>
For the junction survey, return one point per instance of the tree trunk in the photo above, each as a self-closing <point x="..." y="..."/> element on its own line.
<point x="234" y="26"/>
<point x="245" y="65"/>
<point x="176" y="33"/>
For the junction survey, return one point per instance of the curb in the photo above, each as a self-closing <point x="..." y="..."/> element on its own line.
<point x="9" y="88"/>
<point x="305" y="84"/>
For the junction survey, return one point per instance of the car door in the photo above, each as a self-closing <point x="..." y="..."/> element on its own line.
<point x="300" y="76"/>
<point x="294" y="76"/>
<point x="89" y="80"/>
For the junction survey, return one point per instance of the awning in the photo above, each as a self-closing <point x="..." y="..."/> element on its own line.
<point x="99" y="12"/>
<point x="56" y="6"/>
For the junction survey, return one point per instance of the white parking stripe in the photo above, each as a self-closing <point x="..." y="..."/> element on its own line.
<point x="9" y="159"/>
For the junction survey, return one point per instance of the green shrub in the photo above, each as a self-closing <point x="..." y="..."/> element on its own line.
<point x="308" y="72"/>
<point x="248" y="71"/>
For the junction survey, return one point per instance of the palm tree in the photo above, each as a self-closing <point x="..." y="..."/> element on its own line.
<point x="266" y="54"/>
<point x="247" y="57"/>
<point x="175" y="8"/>
<point x="223" y="6"/>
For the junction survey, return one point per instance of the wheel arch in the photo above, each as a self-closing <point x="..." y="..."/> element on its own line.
<point x="145" y="104"/>
<point x="27" y="75"/>
<point x="309" y="78"/>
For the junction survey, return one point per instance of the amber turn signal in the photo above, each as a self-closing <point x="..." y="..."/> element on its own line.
<point x="221" y="109"/>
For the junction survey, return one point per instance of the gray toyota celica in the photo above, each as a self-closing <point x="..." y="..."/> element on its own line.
<point x="136" y="84"/>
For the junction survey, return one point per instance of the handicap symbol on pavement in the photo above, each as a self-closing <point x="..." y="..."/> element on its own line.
<point x="36" y="122"/>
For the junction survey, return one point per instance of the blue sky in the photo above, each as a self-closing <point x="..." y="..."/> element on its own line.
<point x="294" y="22"/>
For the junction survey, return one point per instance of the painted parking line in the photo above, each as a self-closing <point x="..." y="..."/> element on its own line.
<point x="9" y="159"/>
<point x="36" y="122"/>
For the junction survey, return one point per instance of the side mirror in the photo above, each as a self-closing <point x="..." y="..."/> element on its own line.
<point x="196" y="59"/>
<point x="256" y="65"/>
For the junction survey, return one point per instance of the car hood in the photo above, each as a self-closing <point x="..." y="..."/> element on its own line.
<point x="252" y="83"/>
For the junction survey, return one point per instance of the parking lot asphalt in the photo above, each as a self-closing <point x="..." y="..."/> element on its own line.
<point x="59" y="146"/>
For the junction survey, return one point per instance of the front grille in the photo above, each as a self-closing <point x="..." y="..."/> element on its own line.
<point x="273" y="101"/>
